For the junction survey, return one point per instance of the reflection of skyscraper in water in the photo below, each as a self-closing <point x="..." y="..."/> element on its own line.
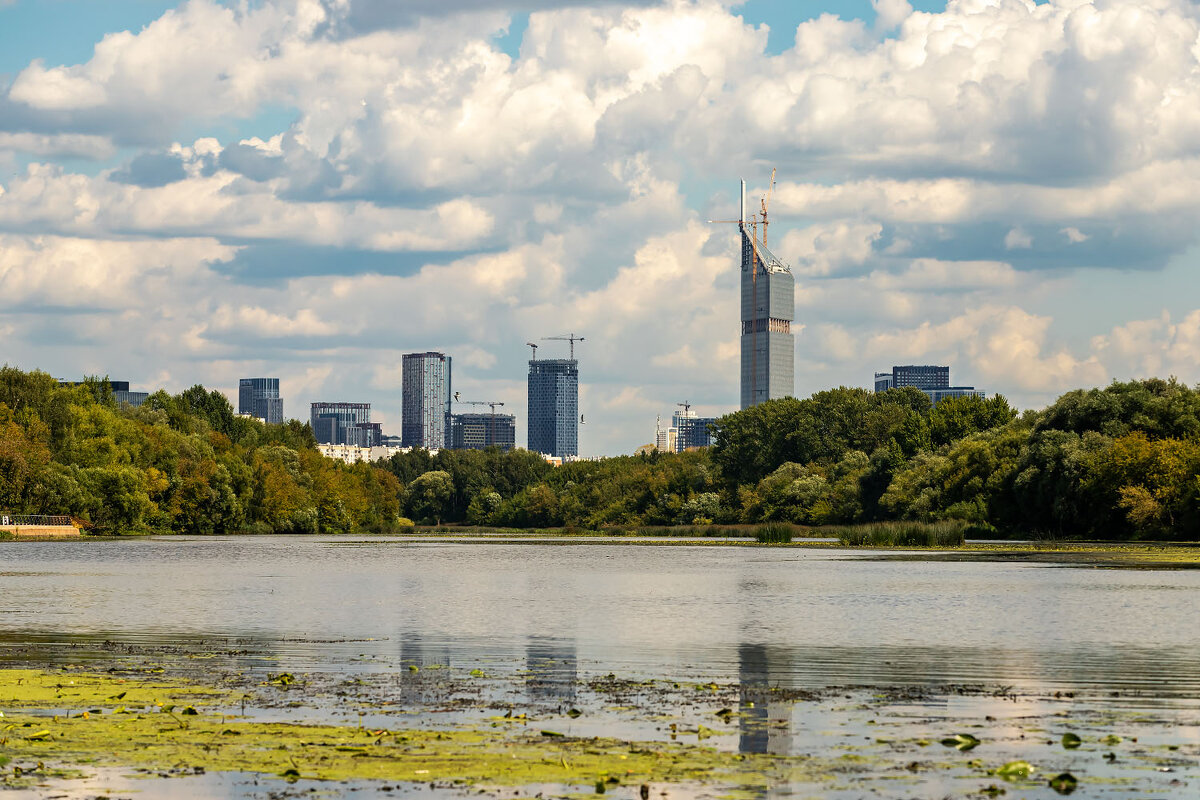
<point x="552" y="669"/>
<point x="416" y="652"/>
<point x="766" y="724"/>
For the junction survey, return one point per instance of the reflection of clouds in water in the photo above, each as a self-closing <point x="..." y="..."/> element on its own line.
<point x="108" y="781"/>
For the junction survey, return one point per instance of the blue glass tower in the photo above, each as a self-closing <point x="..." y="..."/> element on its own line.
<point x="554" y="407"/>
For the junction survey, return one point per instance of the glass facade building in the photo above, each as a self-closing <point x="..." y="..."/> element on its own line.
<point x="425" y="400"/>
<point x="259" y="397"/>
<point x="695" y="432"/>
<point x="477" y="431"/>
<point x="554" y="407"/>
<point x="923" y="377"/>
<point x="933" y="380"/>
<point x="768" y="365"/>
<point x="333" y="423"/>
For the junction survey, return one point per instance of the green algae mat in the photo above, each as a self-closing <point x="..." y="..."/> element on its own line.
<point x="71" y="721"/>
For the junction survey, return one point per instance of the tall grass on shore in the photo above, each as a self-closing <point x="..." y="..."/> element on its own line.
<point x="774" y="533"/>
<point x="946" y="533"/>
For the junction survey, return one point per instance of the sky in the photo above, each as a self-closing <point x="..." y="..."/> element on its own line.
<point x="202" y="191"/>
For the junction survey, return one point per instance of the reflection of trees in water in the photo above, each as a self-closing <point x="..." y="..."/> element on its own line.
<point x="765" y="723"/>
<point x="552" y="669"/>
<point x="230" y="653"/>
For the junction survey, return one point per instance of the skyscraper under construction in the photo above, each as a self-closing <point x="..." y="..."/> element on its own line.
<point x="768" y="308"/>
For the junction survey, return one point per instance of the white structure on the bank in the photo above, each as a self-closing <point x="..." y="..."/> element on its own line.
<point x="350" y="454"/>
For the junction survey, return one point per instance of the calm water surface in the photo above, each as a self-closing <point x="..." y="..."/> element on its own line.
<point x="788" y="616"/>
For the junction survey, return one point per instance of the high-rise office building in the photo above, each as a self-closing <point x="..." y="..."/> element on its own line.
<point x="364" y="434"/>
<point x="337" y="423"/>
<point x="425" y="403"/>
<point x="554" y="407"/>
<point x="932" y="380"/>
<point x="768" y="308"/>
<point x="665" y="439"/>
<point x="259" y="397"/>
<point x="478" y="431"/>
<point x="921" y="377"/>
<point x="695" y="432"/>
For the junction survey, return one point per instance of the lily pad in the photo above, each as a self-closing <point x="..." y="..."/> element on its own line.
<point x="961" y="741"/>
<point x="1016" y="770"/>
<point x="1070" y="741"/>
<point x="1064" y="783"/>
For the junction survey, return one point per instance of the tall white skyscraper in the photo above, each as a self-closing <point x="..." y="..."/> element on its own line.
<point x="425" y="403"/>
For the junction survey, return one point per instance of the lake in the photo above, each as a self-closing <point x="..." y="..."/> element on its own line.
<point x="1001" y="640"/>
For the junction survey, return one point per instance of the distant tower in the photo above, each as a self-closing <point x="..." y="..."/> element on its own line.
<point x="768" y="308"/>
<point x="554" y="407"/>
<point x="259" y="397"/>
<point x="425" y="406"/>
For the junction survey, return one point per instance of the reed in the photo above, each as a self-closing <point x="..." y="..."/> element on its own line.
<point x="774" y="533"/>
<point x="945" y="533"/>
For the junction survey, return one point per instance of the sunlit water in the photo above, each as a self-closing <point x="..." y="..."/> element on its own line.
<point x="781" y="615"/>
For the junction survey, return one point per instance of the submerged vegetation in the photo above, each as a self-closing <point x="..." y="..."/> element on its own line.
<point x="102" y="720"/>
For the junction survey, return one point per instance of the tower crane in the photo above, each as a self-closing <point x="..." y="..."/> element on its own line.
<point x="535" y="347"/>
<point x="569" y="337"/>
<point x="766" y="201"/>
<point x="491" y="403"/>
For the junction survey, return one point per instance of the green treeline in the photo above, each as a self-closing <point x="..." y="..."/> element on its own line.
<point x="1121" y="462"/>
<point x="176" y="464"/>
<point x="1115" y="463"/>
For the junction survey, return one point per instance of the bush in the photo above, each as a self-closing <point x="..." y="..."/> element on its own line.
<point x="405" y="525"/>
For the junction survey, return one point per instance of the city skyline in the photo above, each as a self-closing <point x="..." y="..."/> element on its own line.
<point x="1002" y="187"/>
